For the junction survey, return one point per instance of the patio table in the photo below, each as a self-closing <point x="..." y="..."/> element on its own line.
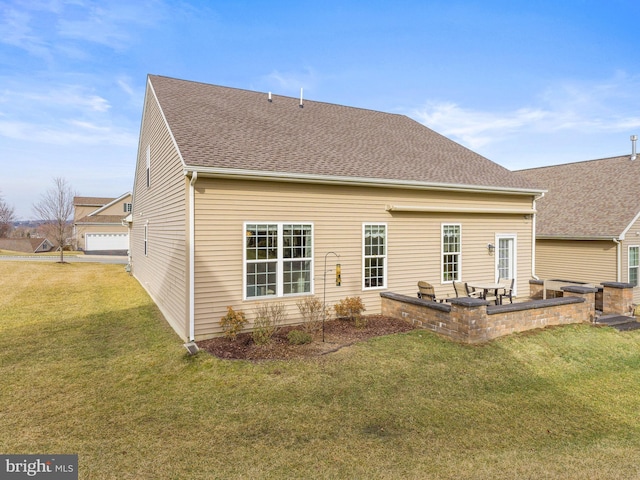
<point x="485" y="287"/>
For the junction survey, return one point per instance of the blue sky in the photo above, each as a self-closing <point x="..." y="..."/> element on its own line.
<point x="523" y="83"/>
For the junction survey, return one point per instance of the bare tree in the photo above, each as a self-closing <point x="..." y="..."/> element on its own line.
<point x="55" y="209"/>
<point x="7" y="218"/>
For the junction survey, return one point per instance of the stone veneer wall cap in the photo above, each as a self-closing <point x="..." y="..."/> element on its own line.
<point x="468" y="301"/>
<point x="443" y="307"/>
<point x="617" y="284"/>
<point x="533" y="304"/>
<point x="578" y="289"/>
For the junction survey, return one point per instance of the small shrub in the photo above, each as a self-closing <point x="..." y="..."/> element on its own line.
<point x="312" y="311"/>
<point x="351" y="308"/>
<point x="233" y="323"/>
<point x="298" y="337"/>
<point x="268" y="320"/>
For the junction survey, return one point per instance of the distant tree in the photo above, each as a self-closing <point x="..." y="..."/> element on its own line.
<point x="7" y="218"/>
<point x="55" y="209"/>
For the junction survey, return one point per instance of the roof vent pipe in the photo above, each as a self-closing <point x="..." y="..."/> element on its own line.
<point x="301" y="98"/>
<point x="270" y="96"/>
<point x="633" y="146"/>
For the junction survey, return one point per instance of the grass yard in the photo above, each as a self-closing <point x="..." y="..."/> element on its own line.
<point x="88" y="366"/>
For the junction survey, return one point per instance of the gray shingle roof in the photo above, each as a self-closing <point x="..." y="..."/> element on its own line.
<point x="228" y="128"/>
<point x="596" y="198"/>
<point x="92" y="201"/>
<point x="115" y="219"/>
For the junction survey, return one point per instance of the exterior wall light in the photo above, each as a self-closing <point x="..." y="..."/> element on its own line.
<point x="491" y="247"/>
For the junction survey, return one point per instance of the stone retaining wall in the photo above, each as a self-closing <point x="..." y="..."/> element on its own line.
<point x="473" y="320"/>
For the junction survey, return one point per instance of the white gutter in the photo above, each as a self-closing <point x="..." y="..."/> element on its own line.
<point x="234" y="173"/>
<point x="450" y="209"/>
<point x="192" y="255"/>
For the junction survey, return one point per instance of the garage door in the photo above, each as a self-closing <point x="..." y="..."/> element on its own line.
<point x="106" y="241"/>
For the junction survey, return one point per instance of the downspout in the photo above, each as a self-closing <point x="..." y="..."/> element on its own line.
<point x="192" y="255"/>
<point x="533" y="239"/>
<point x="619" y="259"/>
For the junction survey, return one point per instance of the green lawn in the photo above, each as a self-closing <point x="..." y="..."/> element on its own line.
<point x="88" y="366"/>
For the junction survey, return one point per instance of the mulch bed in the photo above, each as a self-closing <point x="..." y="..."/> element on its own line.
<point x="337" y="334"/>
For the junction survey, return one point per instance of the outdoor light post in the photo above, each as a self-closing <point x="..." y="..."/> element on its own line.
<point x="324" y="290"/>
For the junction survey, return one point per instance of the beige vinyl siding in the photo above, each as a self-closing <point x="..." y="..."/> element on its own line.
<point x="337" y="214"/>
<point x="581" y="260"/>
<point x="117" y="208"/>
<point x="81" y="211"/>
<point x="162" y="206"/>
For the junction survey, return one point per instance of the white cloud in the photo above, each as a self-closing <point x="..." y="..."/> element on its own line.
<point x="65" y="97"/>
<point x="49" y="28"/>
<point x="69" y="132"/>
<point x="570" y="107"/>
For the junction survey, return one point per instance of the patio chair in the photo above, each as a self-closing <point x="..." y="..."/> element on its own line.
<point x="459" y="289"/>
<point x="462" y="290"/>
<point x="426" y="291"/>
<point x="506" y="289"/>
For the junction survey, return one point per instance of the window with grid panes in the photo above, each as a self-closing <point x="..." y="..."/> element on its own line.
<point x="278" y="259"/>
<point x="633" y="265"/>
<point x="375" y="255"/>
<point x="451" y="251"/>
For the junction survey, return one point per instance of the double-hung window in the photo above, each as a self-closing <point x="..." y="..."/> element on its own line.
<point x="146" y="240"/>
<point x="278" y="259"/>
<point x="451" y="252"/>
<point x="633" y="265"/>
<point x="148" y="171"/>
<point x="375" y="255"/>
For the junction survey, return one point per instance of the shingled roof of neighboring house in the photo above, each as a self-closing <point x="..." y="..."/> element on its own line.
<point x="92" y="201"/>
<point x="29" y="245"/>
<point x="101" y="219"/>
<point x="591" y="199"/>
<point x="220" y="129"/>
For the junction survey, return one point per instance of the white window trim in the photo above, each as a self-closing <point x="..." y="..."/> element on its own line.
<point x="450" y="224"/>
<point x="629" y="265"/>
<point x="385" y="256"/>
<point x="279" y="261"/>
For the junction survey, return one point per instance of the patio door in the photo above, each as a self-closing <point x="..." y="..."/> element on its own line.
<point x="506" y="256"/>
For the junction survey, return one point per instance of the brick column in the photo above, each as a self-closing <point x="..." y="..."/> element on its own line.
<point x="589" y="295"/>
<point x="617" y="298"/>
<point x="468" y="319"/>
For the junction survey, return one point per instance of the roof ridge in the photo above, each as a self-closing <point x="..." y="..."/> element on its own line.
<point x="572" y="163"/>
<point x="319" y="102"/>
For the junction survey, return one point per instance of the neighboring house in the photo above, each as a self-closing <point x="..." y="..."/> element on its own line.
<point x="98" y="224"/>
<point x="243" y="197"/>
<point x="28" y="245"/>
<point x="587" y="224"/>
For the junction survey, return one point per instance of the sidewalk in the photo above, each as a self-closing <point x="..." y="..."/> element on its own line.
<point x="121" y="260"/>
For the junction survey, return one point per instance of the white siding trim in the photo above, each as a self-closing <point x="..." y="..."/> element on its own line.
<point x="166" y="124"/>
